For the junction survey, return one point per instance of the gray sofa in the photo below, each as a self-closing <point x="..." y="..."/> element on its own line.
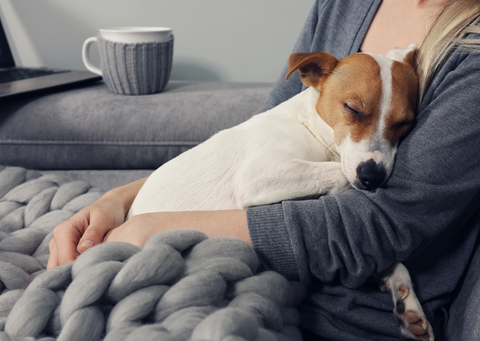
<point x="108" y="140"/>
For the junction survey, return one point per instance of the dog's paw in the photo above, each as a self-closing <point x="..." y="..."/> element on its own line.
<point x="408" y="310"/>
<point x="343" y="184"/>
<point x="409" y="314"/>
<point x="334" y="181"/>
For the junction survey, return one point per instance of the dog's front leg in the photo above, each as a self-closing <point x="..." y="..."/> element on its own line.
<point x="408" y="311"/>
<point x="290" y="179"/>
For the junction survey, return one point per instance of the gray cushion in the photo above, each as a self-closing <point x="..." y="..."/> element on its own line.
<point x="92" y="128"/>
<point x="105" y="179"/>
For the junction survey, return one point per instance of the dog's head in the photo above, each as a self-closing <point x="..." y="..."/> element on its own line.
<point x="370" y="103"/>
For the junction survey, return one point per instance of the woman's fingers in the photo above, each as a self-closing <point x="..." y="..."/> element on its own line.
<point x="52" y="260"/>
<point x="100" y="223"/>
<point x="63" y="246"/>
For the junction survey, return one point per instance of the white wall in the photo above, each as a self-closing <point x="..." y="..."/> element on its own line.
<point x="225" y="40"/>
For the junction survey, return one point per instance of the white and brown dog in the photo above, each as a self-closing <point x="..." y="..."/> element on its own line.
<point x="342" y="131"/>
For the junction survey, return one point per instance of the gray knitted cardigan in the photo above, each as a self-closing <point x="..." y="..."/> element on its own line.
<point x="426" y="215"/>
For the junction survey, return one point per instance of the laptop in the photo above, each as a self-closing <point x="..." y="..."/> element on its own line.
<point x="15" y="81"/>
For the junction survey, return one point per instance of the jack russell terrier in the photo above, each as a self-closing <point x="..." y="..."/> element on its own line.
<point x="342" y="131"/>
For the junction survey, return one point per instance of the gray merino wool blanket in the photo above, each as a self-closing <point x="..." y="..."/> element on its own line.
<point x="180" y="286"/>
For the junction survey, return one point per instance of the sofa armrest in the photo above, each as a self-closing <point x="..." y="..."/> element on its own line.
<point x="91" y="128"/>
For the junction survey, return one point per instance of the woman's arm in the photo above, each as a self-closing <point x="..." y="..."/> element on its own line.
<point x="138" y="229"/>
<point x="430" y="195"/>
<point x="103" y="221"/>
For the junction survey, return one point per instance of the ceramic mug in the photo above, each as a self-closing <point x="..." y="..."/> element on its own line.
<point x="134" y="60"/>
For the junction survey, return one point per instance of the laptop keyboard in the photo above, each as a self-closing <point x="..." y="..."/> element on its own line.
<point x="17" y="74"/>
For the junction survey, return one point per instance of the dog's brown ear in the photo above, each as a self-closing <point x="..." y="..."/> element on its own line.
<point x="411" y="59"/>
<point x="313" y="66"/>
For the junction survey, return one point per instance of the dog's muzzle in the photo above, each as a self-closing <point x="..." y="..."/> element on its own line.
<point x="370" y="175"/>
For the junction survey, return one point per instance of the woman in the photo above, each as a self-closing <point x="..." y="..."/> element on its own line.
<point x="424" y="216"/>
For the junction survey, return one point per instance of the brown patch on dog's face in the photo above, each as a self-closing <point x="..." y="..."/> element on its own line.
<point x="350" y="98"/>
<point x="402" y="112"/>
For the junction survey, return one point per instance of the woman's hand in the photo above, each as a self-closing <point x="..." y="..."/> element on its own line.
<point x="137" y="229"/>
<point x="84" y="230"/>
<point x="89" y="226"/>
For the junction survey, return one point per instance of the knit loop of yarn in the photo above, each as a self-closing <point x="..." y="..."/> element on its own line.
<point x="182" y="286"/>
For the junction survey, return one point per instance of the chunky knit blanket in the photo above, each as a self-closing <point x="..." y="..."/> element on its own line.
<point x="180" y="286"/>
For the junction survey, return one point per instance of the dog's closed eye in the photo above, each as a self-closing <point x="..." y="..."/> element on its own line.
<point x="355" y="113"/>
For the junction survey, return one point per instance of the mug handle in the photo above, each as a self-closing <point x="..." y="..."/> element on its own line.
<point x="86" y="58"/>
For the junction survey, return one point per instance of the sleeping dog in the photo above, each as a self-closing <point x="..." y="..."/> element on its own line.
<point x="335" y="135"/>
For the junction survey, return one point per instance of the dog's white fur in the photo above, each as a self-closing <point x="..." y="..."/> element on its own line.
<point x="274" y="156"/>
<point x="287" y="152"/>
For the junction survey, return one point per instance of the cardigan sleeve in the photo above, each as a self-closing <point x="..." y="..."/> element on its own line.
<point x="283" y="90"/>
<point x="434" y="188"/>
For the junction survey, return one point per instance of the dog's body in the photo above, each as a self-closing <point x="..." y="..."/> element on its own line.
<point x="232" y="170"/>
<point x="336" y="134"/>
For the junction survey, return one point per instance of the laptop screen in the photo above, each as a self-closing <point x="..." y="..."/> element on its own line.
<point x="6" y="58"/>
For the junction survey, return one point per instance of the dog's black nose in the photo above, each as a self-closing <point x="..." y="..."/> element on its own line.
<point x="370" y="174"/>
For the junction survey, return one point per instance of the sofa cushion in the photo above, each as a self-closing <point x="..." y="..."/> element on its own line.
<point x="92" y="128"/>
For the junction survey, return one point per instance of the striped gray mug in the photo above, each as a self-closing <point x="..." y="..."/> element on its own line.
<point x="134" y="60"/>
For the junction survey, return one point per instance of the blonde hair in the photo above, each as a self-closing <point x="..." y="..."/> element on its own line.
<point x="455" y="21"/>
